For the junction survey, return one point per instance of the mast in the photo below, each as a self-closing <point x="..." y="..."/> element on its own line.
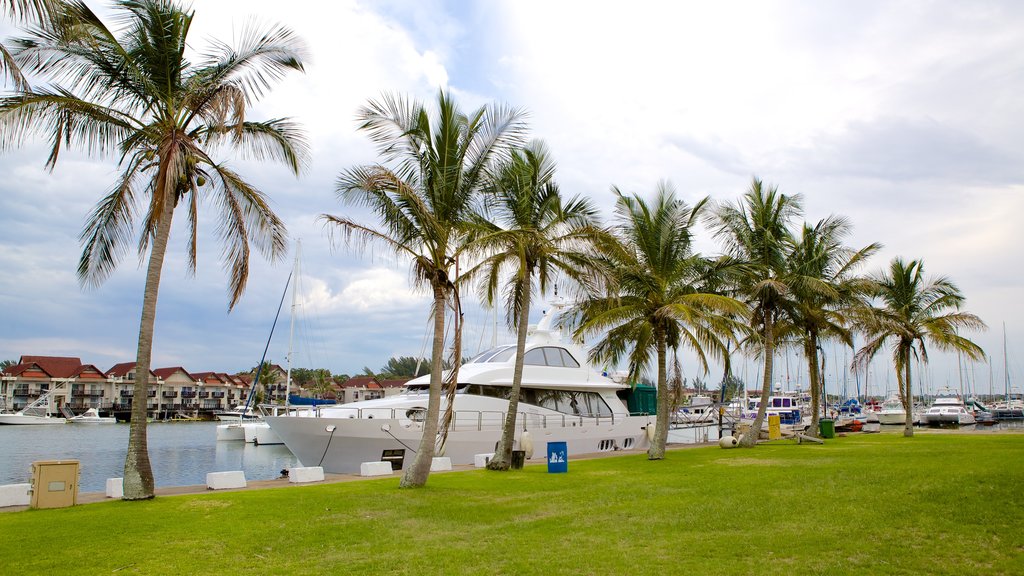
<point x="291" y="326"/>
<point x="1006" y="369"/>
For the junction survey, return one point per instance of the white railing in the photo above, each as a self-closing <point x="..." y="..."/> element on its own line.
<point x="463" y="420"/>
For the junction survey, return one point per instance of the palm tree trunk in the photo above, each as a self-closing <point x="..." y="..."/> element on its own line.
<point x="908" y="429"/>
<point x="416" y="475"/>
<point x="811" y="353"/>
<point x="749" y="439"/>
<point x="138" y="473"/>
<point x="657" y="448"/>
<point x="503" y="453"/>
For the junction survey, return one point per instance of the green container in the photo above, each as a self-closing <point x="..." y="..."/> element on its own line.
<point x="827" y="427"/>
<point x="642" y="400"/>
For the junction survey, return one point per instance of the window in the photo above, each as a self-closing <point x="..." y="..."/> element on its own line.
<point x="535" y="357"/>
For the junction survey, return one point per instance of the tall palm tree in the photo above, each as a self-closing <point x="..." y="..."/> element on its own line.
<point x="135" y="93"/>
<point x="755" y="230"/>
<point x="915" y="312"/>
<point x="656" y="300"/>
<point x="825" y="290"/>
<point x="530" y="231"/>
<point x="423" y="197"/>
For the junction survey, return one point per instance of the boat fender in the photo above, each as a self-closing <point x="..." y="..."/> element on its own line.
<point x="526" y="443"/>
<point x="650" y="432"/>
<point x="728" y="442"/>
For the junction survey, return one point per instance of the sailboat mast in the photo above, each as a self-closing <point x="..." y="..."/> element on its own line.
<point x="291" y="325"/>
<point x="1006" y="368"/>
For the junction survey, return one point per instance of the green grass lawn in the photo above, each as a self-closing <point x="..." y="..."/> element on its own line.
<point x="875" y="504"/>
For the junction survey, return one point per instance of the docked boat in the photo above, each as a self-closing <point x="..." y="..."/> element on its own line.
<point x="562" y="400"/>
<point x="892" y="411"/>
<point x="26" y="417"/>
<point x="91" y="416"/>
<point x="947" y="410"/>
<point x="786" y="407"/>
<point x="240" y="412"/>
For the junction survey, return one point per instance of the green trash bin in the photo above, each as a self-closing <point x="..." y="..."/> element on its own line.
<point x="827" y="427"/>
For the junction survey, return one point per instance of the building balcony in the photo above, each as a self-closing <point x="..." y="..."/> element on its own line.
<point x="218" y="395"/>
<point x="167" y="394"/>
<point x="204" y="394"/>
<point x="188" y="393"/>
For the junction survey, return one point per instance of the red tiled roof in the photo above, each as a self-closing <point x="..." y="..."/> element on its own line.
<point x="19" y="369"/>
<point x="360" y="382"/>
<point x="55" y="366"/>
<point x="122" y="370"/>
<point x="398" y="383"/>
<point x="166" y="373"/>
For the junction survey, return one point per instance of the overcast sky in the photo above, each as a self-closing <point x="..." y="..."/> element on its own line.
<point x="905" y="117"/>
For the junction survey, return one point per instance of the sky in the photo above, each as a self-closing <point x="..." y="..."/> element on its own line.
<point x="903" y="116"/>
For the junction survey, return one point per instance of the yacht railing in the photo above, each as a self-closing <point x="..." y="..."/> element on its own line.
<point x="463" y="420"/>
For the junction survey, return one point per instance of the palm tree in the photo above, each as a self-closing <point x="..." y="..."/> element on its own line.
<point x="755" y="230"/>
<point x="423" y="200"/>
<point x="37" y="11"/>
<point x="825" y="290"/>
<point x="531" y="232"/>
<point x="914" y="312"/>
<point x="138" y="95"/>
<point x="656" y="300"/>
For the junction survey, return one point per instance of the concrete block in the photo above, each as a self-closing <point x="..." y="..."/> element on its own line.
<point x="481" y="460"/>
<point x="375" y="469"/>
<point x="440" y="464"/>
<point x="225" y="480"/>
<point x="302" y="474"/>
<point x="15" y="495"/>
<point x="115" y="487"/>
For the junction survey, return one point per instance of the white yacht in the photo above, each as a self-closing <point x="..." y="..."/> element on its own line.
<point x="892" y="411"/>
<point x="948" y="410"/>
<point x="562" y="400"/>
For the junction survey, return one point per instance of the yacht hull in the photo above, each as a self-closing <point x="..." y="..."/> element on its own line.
<point x="23" y="419"/>
<point x="340" y="445"/>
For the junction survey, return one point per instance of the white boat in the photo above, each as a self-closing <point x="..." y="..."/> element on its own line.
<point x="892" y="411"/>
<point x="35" y="413"/>
<point x="948" y="410"/>
<point x="91" y="416"/>
<point x="240" y="412"/>
<point x="562" y="400"/>
<point x="23" y="417"/>
<point x="230" y="432"/>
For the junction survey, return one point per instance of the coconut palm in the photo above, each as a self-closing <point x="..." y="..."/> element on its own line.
<point x="915" y="313"/>
<point x="530" y="232"/>
<point x="656" y="300"/>
<point x="825" y="290"/>
<point x="423" y="197"/>
<point x="136" y="94"/>
<point x="22" y="11"/>
<point x="755" y="230"/>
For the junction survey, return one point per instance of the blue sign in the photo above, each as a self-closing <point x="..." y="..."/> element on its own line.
<point x="558" y="457"/>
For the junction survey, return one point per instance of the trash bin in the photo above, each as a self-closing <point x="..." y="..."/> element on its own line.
<point x="518" y="459"/>
<point x="54" y="483"/>
<point x="827" y="427"/>
<point x="558" y="457"/>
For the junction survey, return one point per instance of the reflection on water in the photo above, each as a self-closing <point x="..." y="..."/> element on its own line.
<point x="181" y="453"/>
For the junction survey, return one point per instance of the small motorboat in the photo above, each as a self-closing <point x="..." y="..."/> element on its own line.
<point x="91" y="416"/>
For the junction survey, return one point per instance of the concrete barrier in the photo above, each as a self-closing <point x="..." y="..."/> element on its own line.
<point x="115" y="487"/>
<point x="225" y="480"/>
<point x="440" y="464"/>
<point x="375" y="469"/>
<point x="481" y="460"/>
<point x="15" y="495"/>
<point x="301" y="475"/>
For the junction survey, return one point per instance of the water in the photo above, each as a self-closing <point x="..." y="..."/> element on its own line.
<point x="181" y="453"/>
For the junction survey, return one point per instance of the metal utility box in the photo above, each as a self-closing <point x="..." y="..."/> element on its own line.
<point x="54" y="483"/>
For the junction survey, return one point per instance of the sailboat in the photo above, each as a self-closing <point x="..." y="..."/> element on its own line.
<point x="247" y="430"/>
<point x="36" y="412"/>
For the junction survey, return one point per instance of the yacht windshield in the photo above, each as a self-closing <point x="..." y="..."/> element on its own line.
<point x="499" y="354"/>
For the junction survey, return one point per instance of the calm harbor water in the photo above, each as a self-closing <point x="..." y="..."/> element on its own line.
<point x="181" y="453"/>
